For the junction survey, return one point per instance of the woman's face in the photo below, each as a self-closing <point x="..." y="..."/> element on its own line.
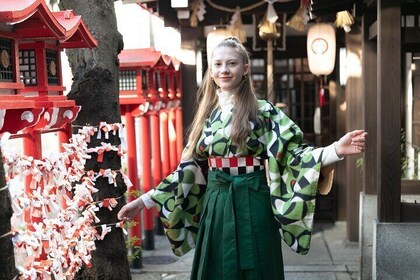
<point x="227" y="68"/>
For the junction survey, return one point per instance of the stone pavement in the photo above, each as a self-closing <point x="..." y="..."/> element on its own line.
<point x="331" y="258"/>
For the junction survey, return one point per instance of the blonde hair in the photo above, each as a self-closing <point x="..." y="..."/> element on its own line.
<point x="245" y="101"/>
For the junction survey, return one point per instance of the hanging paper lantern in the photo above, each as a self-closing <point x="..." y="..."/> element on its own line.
<point x="214" y="38"/>
<point x="321" y="49"/>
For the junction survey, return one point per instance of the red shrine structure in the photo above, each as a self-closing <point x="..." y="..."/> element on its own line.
<point x="150" y="90"/>
<point x="31" y="89"/>
<point x="32" y="100"/>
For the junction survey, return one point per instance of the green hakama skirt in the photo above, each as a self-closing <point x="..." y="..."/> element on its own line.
<point x="238" y="237"/>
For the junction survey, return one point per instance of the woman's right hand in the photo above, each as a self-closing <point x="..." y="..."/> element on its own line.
<point x="131" y="209"/>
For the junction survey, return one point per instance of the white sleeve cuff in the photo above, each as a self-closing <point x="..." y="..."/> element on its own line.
<point x="147" y="199"/>
<point x="329" y="155"/>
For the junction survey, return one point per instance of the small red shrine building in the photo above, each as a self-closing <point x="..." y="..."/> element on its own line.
<point x="31" y="89"/>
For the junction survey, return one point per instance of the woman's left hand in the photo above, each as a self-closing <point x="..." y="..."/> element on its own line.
<point x="351" y="143"/>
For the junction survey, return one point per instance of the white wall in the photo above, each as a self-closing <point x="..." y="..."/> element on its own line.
<point x="142" y="29"/>
<point x="134" y="25"/>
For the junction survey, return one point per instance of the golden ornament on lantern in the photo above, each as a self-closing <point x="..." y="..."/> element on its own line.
<point x="321" y="49"/>
<point x="269" y="30"/>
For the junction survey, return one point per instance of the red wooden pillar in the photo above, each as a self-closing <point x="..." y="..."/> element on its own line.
<point x="166" y="166"/>
<point x="64" y="135"/>
<point x="164" y="116"/>
<point x="157" y="161"/>
<point x="41" y="66"/>
<point x="164" y="85"/>
<point x="173" y="157"/>
<point x="133" y="176"/>
<point x="32" y="144"/>
<point x="32" y="147"/>
<point x="173" y="92"/>
<point x="146" y="157"/>
<point x="164" y="141"/>
<point x="157" y="165"/>
<point x="179" y="132"/>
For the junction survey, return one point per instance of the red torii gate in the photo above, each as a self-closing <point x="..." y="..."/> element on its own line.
<point x="31" y="90"/>
<point x="172" y="86"/>
<point x="149" y="90"/>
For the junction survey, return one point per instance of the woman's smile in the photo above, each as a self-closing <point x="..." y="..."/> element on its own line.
<point x="227" y="68"/>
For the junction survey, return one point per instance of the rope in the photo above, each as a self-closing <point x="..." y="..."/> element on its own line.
<point x="95" y="202"/>
<point x="233" y="10"/>
<point x="7" y="234"/>
<point x="4" y="188"/>
<point x="117" y="224"/>
<point x="244" y="9"/>
<point x="99" y="201"/>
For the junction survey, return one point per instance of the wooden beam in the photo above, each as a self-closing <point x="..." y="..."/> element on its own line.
<point x="354" y="120"/>
<point x="410" y="187"/>
<point x="370" y="3"/>
<point x="410" y="212"/>
<point x="405" y="48"/>
<point x="370" y="95"/>
<point x="332" y="6"/>
<point x="373" y="30"/>
<point x="389" y="115"/>
<point x="329" y="3"/>
<point x="328" y="7"/>
<point x="411" y="35"/>
<point x="410" y="9"/>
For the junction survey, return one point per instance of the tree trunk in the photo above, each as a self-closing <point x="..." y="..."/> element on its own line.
<point x="95" y="88"/>
<point x="7" y="257"/>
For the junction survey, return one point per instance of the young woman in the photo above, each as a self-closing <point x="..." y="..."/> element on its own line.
<point x="218" y="200"/>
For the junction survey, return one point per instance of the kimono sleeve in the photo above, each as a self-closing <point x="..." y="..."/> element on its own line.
<point x="294" y="171"/>
<point x="179" y="200"/>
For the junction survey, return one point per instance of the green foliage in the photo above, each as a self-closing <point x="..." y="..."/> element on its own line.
<point x="359" y="163"/>
<point x="133" y="193"/>
<point x="133" y="249"/>
<point x="129" y="224"/>
<point x="405" y="160"/>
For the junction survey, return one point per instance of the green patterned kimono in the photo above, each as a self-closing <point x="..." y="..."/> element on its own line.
<point x="293" y="169"/>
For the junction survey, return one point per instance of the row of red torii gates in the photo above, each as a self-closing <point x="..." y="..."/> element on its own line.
<point x="150" y="90"/>
<point x="32" y="101"/>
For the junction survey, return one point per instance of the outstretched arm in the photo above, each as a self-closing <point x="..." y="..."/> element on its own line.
<point x="351" y="143"/>
<point x="131" y="209"/>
